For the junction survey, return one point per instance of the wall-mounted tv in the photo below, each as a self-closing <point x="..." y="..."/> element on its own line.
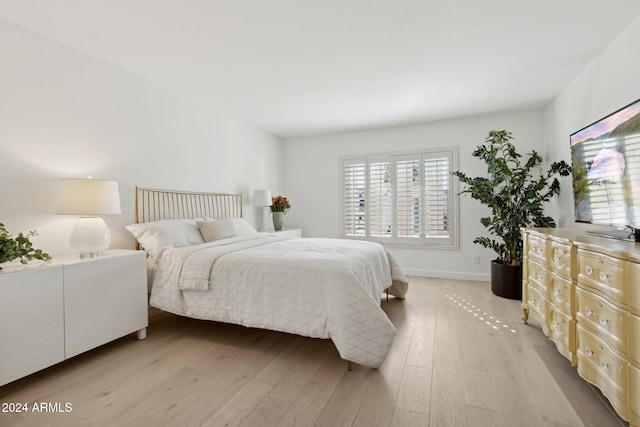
<point x="606" y="170"/>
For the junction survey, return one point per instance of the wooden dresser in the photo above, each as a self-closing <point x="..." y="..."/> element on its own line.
<point x="585" y="293"/>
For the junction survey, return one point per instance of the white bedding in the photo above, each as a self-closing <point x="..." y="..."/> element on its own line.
<point x="321" y="288"/>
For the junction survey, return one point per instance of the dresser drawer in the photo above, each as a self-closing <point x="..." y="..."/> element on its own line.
<point x="602" y="317"/>
<point x="633" y="278"/>
<point x="634" y="394"/>
<point x="601" y="366"/>
<point x="560" y="259"/>
<point x="561" y="293"/>
<point x="536" y="248"/>
<point x="603" y="273"/>
<point x="537" y="304"/>
<point x="633" y="339"/>
<point x="561" y="331"/>
<point x="537" y="276"/>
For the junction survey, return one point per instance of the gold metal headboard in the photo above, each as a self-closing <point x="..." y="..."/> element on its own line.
<point x="154" y="205"/>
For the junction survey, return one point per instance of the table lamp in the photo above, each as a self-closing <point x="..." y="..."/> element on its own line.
<point x="88" y="198"/>
<point x="262" y="198"/>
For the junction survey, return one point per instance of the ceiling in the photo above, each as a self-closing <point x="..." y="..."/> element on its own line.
<point x="305" y="67"/>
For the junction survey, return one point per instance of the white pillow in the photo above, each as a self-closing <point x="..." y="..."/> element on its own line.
<point x="224" y="228"/>
<point x="157" y="236"/>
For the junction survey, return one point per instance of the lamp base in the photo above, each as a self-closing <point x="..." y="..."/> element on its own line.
<point x="90" y="237"/>
<point x="263" y="222"/>
<point x="91" y="255"/>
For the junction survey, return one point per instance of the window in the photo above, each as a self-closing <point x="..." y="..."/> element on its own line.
<point x="401" y="198"/>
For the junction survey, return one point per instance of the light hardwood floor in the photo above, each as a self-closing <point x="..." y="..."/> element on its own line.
<point x="462" y="357"/>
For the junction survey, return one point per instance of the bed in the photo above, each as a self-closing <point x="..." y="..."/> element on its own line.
<point x="206" y="262"/>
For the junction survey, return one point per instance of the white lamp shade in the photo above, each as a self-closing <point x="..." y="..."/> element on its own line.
<point x="262" y="198"/>
<point x="90" y="236"/>
<point x="88" y="197"/>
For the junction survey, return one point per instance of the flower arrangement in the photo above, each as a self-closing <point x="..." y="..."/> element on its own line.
<point x="19" y="248"/>
<point x="280" y="204"/>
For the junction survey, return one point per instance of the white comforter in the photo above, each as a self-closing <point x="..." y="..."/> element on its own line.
<point x="322" y="288"/>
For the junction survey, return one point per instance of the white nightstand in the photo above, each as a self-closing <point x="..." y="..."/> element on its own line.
<point x="52" y="312"/>
<point x="294" y="232"/>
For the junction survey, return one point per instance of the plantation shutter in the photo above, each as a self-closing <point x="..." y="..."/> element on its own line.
<point x="354" y="197"/>
<point x="401" y="198"/>
<point x="380" y="198"/>
<point x="408" y="196"/>
<point x="437" y="196"/>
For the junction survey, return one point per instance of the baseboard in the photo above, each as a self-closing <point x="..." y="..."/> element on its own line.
<point x="456" y="275"/>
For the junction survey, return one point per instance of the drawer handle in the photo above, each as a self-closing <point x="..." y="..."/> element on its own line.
<point x="588" y="352"/>
<point x="556" y="292"/>
<point x="556" y="258"/>
<point x="602" y="321"/>
<point x="588" y="311"/>
<point x="603" y="276"/>
<point x="555" y="324"/>
<point x="603" y="364"/>
<point x="588" y="269"/>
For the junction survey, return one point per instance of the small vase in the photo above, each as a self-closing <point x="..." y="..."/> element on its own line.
<point x="278" y="220"/>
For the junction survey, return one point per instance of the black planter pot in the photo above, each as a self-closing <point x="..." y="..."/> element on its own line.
<point x="506" y="280"/>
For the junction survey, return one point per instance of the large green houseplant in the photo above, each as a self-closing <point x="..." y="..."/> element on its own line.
<point x="19" y="247"/>
<point x="515" y="191"/>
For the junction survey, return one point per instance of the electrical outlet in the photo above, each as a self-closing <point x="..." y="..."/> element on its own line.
<point x="476" y="259"/>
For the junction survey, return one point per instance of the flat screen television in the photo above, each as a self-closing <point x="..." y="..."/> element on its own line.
<point x="606" y="171"/>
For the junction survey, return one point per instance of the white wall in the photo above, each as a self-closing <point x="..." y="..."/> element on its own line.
<point x="65" y="114"/>
<point x="312" y="175"/>
<point x="610" y="82"/>
<point x="312" y="182"/>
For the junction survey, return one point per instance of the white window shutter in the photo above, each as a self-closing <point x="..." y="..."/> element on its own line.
<point x="354" y="197"/>
<point x="405" y="198"/>
<point x="408" y="197"/>
<point x="437" y="196"/>
<point x="380" y="198"/>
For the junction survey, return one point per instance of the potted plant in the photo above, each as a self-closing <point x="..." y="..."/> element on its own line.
<point x="279" y="206"/>
<point x="19" y="248"/>
<point x="515" y="191"/>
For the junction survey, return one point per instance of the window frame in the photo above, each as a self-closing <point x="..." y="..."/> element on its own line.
<point x="451" y="242"/>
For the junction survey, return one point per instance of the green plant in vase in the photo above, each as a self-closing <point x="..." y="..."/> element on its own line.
<point x="516" y="192"/>
<point x="19" y="247"/>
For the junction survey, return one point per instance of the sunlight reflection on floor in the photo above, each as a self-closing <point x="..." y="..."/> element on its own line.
<point x="479" y="313"/>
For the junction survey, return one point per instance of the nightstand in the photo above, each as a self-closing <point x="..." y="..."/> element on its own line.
<point x="52" y="312"/>
<point x="293" y="232"/>
<point x="105" y="298"/>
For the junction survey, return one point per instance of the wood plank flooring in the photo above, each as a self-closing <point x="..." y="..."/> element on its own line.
<point x="462" y="357"/>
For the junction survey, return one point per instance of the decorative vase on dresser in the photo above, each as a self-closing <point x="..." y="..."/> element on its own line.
<point x="278" y="220"/>
<point x="585" y="293"/>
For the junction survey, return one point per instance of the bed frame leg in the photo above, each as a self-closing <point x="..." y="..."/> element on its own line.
<point x="349" y="365"/>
